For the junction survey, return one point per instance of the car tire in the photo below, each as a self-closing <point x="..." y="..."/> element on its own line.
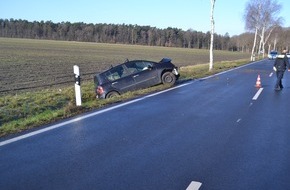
<point x="168" y="78"/>
<point x="112" y="94"/>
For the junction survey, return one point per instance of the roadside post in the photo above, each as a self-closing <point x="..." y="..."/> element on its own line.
<point x="77" y="85"/>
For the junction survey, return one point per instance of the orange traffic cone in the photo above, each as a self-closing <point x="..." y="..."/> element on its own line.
<point x="258" y="83"/>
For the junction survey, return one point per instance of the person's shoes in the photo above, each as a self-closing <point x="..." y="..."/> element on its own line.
<point x="277" y="89"/>
<point x="281" y="87"/>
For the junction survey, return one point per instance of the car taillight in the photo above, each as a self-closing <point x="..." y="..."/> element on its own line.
<point x="100" y="90"/>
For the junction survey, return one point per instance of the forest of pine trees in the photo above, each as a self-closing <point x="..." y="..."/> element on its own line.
<point x="125" y="34"/>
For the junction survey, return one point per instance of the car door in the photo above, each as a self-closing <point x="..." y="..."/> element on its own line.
<point x="120" y="79"/>
<point x="143" y="73"/>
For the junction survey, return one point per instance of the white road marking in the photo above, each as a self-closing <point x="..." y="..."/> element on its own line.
<point x="258" y="94"/>
<point x="108" y="109"/>
<point x="194" y="185"/>
<point x="83" y="117"/>
<point x="271" y="74"/>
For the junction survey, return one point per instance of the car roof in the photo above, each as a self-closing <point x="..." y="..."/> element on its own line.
<point x="163" y="60"/>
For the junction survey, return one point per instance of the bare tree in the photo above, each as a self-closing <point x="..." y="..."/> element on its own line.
<point x="268" y="34"/>
<point x="273" y="41"/>
<point x="270" y="21"/>
<point x="252" y="20"/>
<point x="242" y="42"/>
<point x="262" y="17"/>
<point x="212" y="35"/>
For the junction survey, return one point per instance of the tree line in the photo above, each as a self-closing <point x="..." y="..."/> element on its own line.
<point x="112" y="33"/>
<point x="139" y="35"/>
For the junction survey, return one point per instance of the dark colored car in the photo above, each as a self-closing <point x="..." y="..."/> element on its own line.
<point x="133" y="75"/>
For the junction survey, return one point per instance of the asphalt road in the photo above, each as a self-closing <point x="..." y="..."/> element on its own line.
<point x="217" y="133"/>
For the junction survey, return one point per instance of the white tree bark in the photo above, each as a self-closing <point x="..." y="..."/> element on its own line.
<point x="261" y="16"/>
<point x="275" y="42"/>
<point x="212" y="36"/>
<point x="267" y="38"/>
<point x="254" y="46"/>
<point x="262" y="43"/>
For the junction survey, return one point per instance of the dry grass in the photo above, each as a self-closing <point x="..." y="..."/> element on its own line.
<point x="28" y="63"/>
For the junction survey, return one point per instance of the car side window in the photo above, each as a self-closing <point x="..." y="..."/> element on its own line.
<point x="116" y="73"/>
<point x="138" y="66"/>
<point x="147" y="65"/>
<point x="131" y="66"/>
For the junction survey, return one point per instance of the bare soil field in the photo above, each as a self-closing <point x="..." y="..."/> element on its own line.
<point x="28" y="65"/>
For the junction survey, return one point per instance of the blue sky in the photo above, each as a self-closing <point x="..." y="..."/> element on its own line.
<point x="183" y="14"/>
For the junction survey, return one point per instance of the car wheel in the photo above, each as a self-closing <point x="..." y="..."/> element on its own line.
<point x="112" y="94"/>
<point x="168" y="78"/>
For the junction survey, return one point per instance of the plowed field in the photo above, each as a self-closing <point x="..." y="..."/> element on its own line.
<point x="27" y="65"/>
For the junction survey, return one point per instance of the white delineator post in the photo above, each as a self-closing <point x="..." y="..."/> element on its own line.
<point x="77" y="85"/>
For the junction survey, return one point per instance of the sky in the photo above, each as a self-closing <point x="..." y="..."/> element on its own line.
<point x="181" y="14"/>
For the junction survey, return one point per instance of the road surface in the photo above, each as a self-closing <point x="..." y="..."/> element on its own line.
<point x="219" y="132"/>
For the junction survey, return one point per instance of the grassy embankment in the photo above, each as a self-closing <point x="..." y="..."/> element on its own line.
<point x="32" y="108"/>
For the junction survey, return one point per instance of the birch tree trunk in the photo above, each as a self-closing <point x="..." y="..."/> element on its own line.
<point x="212" y="36"/>
<point x="262" y="16"/>
<point x="254" y="46"/>
<point x="263" y="41"/>
<point x="267" y="38"/>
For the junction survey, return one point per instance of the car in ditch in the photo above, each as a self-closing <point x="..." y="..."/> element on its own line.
<point x="134" y="75"/>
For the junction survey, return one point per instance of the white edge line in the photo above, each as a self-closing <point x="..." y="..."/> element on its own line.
<point x="194" y="185"/>
<point x="84" y="117"/>
<point x="108" y="109"/>
<point x="258" y="94"/>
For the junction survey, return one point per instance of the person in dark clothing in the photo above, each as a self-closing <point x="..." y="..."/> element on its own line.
<point x="280" y="65"/>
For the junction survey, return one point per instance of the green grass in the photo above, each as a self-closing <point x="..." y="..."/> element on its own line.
<point x="29" y="109"/>
<point x="202" y="70"/>
<point x="32" y="109"/>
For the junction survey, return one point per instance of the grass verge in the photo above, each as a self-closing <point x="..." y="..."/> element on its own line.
<point x="32" y="109"/>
